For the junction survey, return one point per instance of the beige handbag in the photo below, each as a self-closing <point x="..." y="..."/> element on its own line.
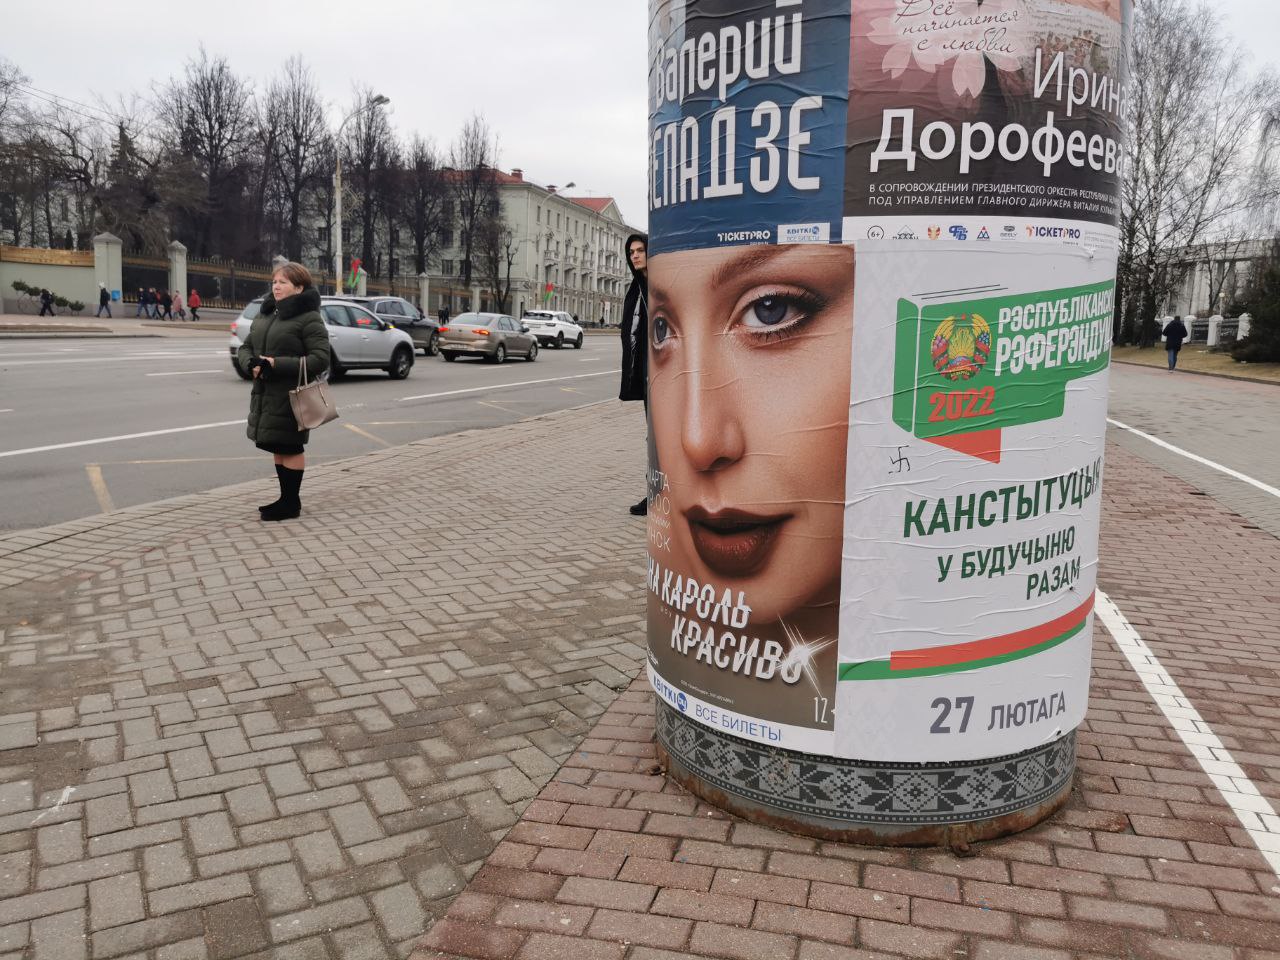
<point x="310" y="401"/>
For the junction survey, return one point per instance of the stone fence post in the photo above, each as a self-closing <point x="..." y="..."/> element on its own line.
<point x="108" y="264"/>
<point x="178" y="267"/>
<point x="424" y="291"/>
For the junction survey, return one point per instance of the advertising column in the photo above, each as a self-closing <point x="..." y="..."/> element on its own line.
<point x="880" y="300"/>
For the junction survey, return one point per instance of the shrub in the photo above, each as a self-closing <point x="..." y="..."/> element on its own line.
<point x="23" y="288"/>
<point x="75" y="306"/>
<point x="1263" y="343"/>
<point x="59" y="301"/>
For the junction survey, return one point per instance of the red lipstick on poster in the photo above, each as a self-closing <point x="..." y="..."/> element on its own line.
<point x="734" y="543"/>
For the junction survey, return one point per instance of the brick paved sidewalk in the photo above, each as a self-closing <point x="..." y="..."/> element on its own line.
<point x="1145" y="861"/>
<point x="222" y="738"/>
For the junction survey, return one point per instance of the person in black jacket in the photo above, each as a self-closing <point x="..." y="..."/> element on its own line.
<point x="634" y="328"/>
<point x="1174" y="332"/>
<point x="287" y="330"/>
<point x="104" y="301"/>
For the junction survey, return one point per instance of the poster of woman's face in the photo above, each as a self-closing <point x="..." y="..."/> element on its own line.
<point x="749" y="404"/>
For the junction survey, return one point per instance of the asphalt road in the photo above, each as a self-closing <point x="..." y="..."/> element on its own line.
<point x="83" y="423"/>
<point x="1232" y="423"/>
<point x="87" y="426"/>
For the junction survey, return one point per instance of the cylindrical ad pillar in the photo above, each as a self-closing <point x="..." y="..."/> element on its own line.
<point x="882" y="266"/>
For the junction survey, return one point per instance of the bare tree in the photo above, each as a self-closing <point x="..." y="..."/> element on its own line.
<point x="426" y="200"/>
<point x="295" y="115"/>
<point x="474" y="187"/>
<point x="210" y="116"/>
<point x="368" y="141"/>
<point x="498" y="246"/>
<point x="1193" y="117"/>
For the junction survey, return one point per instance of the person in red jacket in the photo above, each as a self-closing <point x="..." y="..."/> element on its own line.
<point x="193" y="302"/>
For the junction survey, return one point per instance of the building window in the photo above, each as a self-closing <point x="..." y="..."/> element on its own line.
<point x="395" y="264"/>
<point x="446" y="267"/>
<point x="346" y="233"/>
<point x="446" y="236"/>
<point x="66" y="209"/>
<point x="539" y="214"/>
<point x="323" y="234"/>
<point x="395" y="238"/>
<point x="557" y="221"/>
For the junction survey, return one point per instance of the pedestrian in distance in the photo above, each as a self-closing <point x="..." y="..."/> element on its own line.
<point x="443" y="315"/>
<point x="46" y="302"/>
<point x="635" y="336"/>
<point x="165" y="308"/>
<point x="287" y="329"/>
<point x="104" y="301"/>
<point x="193" y="302"/>
<point x="153" y="298"/>
<point x="142" y="303"/>
<point x="1174" y="332"/>
<point x="179" y="308"/>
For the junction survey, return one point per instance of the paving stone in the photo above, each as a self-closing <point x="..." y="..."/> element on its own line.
<point x="115" y="900"/>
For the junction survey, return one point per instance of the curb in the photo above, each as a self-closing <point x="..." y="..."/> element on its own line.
<point x="1201" y="373"/>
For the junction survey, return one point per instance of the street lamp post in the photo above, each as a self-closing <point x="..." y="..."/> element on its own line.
<point x="374" y="101"/>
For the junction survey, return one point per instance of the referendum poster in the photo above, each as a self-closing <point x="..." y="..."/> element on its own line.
<point x="876" y="430"/>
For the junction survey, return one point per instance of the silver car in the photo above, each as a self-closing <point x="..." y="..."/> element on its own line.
<point x="358" y="340"/>
<point x="494" y="336"/>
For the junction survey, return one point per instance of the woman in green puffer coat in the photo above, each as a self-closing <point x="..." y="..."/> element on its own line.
<point x="288" y="329"/>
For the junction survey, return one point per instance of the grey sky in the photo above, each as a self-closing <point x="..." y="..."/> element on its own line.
<point x="562" y="81"/>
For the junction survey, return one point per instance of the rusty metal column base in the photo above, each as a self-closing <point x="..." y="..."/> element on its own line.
<point x="856" y="801"/>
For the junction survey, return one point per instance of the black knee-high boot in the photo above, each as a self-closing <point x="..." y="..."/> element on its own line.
<point x="275" y="503"/>
<point x="290" y="502"/>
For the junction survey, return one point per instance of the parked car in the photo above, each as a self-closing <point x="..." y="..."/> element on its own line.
<point x="553" y="328"/>
<point x="494" y="336"/>
<point x="402" y="314"/>
<point x="358" y="340"/>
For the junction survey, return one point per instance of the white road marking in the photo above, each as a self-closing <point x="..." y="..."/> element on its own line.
<point x="502" y="386"/>
<point x="183" y="373"/>
<point x="588" y="359"/>
<point x="123" y="436"/>
<point x="102" y="359"/>
<point x="1255" y="813"/>
<point x="1243" y="477"/>
<point x="10" y="410"/>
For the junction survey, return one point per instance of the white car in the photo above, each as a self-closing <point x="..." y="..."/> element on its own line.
<point x="553" y="328"/>
<point x="358" y="340"/>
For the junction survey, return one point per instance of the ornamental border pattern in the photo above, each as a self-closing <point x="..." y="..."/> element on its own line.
<point x="854" y="792"/>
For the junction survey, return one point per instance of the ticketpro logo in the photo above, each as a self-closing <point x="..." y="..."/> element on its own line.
<point x="804" y="233"/>
<point x="1064" y="233"/>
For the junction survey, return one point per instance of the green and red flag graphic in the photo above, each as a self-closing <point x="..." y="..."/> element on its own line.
<point x="547" y="291"/>
<point x="355" y="272"/>
<point x="973" y="654"/>
<point x="965" y="369"/>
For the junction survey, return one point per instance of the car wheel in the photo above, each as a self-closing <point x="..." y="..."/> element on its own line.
<point x="401" y="363"/>
<point x="577" y="344"/>
<point x="500" y="355"/>
<point x="433" y="345"/>
<point x="560" y="340"/>
<point x="240" y="370"/>
<point x="449" y="356"/>
<point x="532" y="355"/>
